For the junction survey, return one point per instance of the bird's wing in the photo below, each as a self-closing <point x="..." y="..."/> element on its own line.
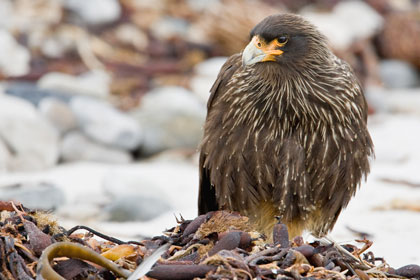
<point x="226" y="72"/>
<point x="206" y="196"/>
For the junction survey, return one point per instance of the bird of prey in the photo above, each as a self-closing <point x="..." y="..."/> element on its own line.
<point x="286" y="131"/>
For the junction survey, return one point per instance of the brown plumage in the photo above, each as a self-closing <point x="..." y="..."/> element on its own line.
<point x="285" y="133"/>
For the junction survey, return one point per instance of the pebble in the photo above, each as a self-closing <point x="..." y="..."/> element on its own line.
<point x="154" y="179"/>
<point x="94" y="83"/>
<point x="409" y="271"/>
<point x="32" y="93"/>
<point x="6" y="14"/>
<point x="58" y="113"/>
<point x="32" y="140"/>
<point x="77" y="147"/>
<point x="403" y="100"/>
<point x="137" y="195"/>
<point x="402" y="136"/>
<point x="205" y="74"/>
<point x="34" y="195"/>
<point x="335" y="24"/>
<point x="167" y="28"/>
<point x="398" y="74"/>
<point x="4" y="157"/>
<point x="171" y="117"/>
<point x="136" y="207"/>
<point x="15" y="58"/>
<point x="105" y="124"/>
<point x="95" y="11"/>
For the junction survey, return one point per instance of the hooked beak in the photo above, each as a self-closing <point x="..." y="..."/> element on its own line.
<point x="259" y="51"/>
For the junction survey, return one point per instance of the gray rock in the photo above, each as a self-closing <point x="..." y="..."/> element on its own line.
<point x="168" y="27"/>
<point x="39" y="195"/>
<point x="77" y="147"/>
<point x="144" y="188"/>
<point x="105" y="124"/>
<point x="403" y="100"/>
<point x="135" y="208"/>
<point x="6" y="14"/>
<point x="58" y="113"/>
<point x="159" y="179"/>
<point x="202" y="5"/>
<point x="94" y="83"/>
<point x="398" y="74"/>
<point x="15" y="58"/>
<point x="171" y="117"/>
<point x="31" y="139"/>
<point x="205" y="76"/>
<point x="4" y="157"/>
<point x="32" y="93"/>
<point x="95" y="11"/>
<point x="335" y="24"/>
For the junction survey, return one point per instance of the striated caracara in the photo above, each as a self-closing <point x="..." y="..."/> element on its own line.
<point x="286" y="132"/>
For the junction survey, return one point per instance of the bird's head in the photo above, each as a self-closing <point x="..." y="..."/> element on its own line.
<point x="286" y="39"/>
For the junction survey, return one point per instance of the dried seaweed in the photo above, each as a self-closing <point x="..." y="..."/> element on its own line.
<point x="218" y="245"/>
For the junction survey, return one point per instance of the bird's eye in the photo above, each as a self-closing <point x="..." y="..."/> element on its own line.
<point x="283" y="39"/>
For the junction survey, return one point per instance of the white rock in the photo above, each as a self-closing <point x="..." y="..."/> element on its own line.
<point x="202" y="5"/>
<point x="398" y="74"/>
<point x="163" y="179"/>
<point x="167" y="27"/>
<point x="133" y="35"/>
<point x="405" y="100"/>
<point x="4" y="157"/>
<point x="171" y="117"/>
<point x="54" y="45"/>
<point x="136" y="208"/>
<point x="77" y="147"/>
<point x="34" y="195"/>
<point x="58" y="113"/>
<point x="105" y="124"/>
<point x="32" y="139"/>
<point x="347" y="22"/>
<point x="396" y="138"/>
<point x="94" y="83"/>
<point x="95" y="11"/>
<point x="15" y="58"/>
<point x="6" y="14"/>
<point x="205" y="75"/>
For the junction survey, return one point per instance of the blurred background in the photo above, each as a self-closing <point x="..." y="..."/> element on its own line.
<point x="102" y="104"/>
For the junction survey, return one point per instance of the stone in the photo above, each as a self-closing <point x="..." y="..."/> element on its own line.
<point x="174" y="182"/>
<point x="34" y="195"/>
<point x="105" y="124"/>
<point x="402" y="100"/>
<point x="95" y="11"/>
<point x="31" y="139"/>
<point x="398" y="74"/>
<point x="205" y="74"/>
<point x="335" y="24"/>
<point x="202" y="5"/>
<point x="6" y="14"/>
<point x="77" y="147"/>
<point x="15" y="58"/>
<point x="32" y="93"/>
<point x="135" y="208"/>
<point x="58" y="113"/>
<point x="168" y="27"/>
<point x="135" y="197"/>
<point x="171" y="117"/>
<point x="94" y="83"/>
<point x="4" y="157"/>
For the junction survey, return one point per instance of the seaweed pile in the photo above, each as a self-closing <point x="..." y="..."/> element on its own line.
<point x="218" y="245"/>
